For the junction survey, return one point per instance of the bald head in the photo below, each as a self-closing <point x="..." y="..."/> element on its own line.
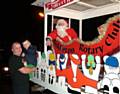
<point x="16" y="48"/>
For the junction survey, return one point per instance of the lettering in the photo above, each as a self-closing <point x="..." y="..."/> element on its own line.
<point x="64" y="49"/>
<point x="89" y="50"/>
<point x="57" y="3"/>
<point x="112" y="36"/>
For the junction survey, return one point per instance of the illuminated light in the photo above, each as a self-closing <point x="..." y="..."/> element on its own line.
<point x="6" y="68"/>
<point x="41" y="14"/>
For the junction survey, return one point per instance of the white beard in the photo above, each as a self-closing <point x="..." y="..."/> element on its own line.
<point x="61" y="31"/>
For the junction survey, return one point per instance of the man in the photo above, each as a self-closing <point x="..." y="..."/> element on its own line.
<point x="19" y="73"/>
<point x="62" y="33"/>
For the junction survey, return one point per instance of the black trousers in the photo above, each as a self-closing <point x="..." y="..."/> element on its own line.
<point x="21" y="89"/>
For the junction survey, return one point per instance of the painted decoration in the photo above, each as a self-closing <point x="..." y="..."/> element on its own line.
<point x="94" y="66"/>
<point x="91" y="70"/>
<point x="110" y="84"/>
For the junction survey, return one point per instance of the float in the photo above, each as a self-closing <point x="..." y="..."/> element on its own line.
<point x="89" y="65"/>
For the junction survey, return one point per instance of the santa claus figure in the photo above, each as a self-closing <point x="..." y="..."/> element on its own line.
<point x="62" y="33"/>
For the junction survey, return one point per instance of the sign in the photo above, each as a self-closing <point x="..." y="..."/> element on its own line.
<point x="54" y="4"/>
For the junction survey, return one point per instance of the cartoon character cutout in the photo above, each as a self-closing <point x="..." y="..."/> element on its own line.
<point x="61" y="64"/>
<point x="62" y="61"/>
<point x="111" y="65"/>
<point x="110" y="84"/>
<point x="91" y="70"/>
<point x="90" y="64"/>
<point x="74" y="76"/>
<point x="43" y="67"/>
<point x="51" y="68"/>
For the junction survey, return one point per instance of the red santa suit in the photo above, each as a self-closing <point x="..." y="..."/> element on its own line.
<point x="71" y="34"/>
<point x="81" y="80"/>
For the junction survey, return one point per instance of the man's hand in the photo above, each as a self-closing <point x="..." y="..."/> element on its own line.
<point x="26" y="70"/>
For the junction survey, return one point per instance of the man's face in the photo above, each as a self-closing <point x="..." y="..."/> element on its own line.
<point x="61" y="24"/>
<point x="16" y="49"/>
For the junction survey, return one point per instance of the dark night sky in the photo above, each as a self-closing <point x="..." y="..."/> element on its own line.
<point x="20" y="21"/>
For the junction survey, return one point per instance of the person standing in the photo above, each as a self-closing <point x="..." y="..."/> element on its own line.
<point x="19" y="72"/>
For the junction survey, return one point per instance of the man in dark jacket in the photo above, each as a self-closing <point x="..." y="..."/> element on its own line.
<point x="19" y="72"/>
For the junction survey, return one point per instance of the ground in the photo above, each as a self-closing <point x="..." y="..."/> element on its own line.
<point x="5" y="87"/>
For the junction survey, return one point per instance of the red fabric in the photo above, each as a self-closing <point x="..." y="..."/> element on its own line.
<point x="106" y="46"/>
<point x="70" y="32"/>
<point x="81" y="79"/>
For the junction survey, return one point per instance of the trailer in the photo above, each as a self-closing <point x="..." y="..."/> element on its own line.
<point x="97" y="25"/>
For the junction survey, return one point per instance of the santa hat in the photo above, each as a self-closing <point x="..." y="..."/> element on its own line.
<point x="75" y="58"/>
<point x="62" y="21"/>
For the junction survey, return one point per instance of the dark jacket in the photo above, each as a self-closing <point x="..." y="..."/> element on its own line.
<point x="31" y="55"/>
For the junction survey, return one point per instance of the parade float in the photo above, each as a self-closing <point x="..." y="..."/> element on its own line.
<point x="90" y="64"/>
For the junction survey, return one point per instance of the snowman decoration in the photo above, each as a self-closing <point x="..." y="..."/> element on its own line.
<point x="91" y="70"/>
<point x="110" y="84"/>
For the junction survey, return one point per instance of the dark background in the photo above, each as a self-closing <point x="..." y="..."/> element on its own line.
<point x="89" y="26"/>
<point x="19" y="20"/>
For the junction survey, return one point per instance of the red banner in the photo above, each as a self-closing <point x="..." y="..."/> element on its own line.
<point x="106" y="45"/>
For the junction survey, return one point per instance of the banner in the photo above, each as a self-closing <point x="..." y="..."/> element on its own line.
<point x="106" y="44"/>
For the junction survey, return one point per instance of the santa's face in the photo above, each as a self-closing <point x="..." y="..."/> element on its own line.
<point x="61" y="30"/>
